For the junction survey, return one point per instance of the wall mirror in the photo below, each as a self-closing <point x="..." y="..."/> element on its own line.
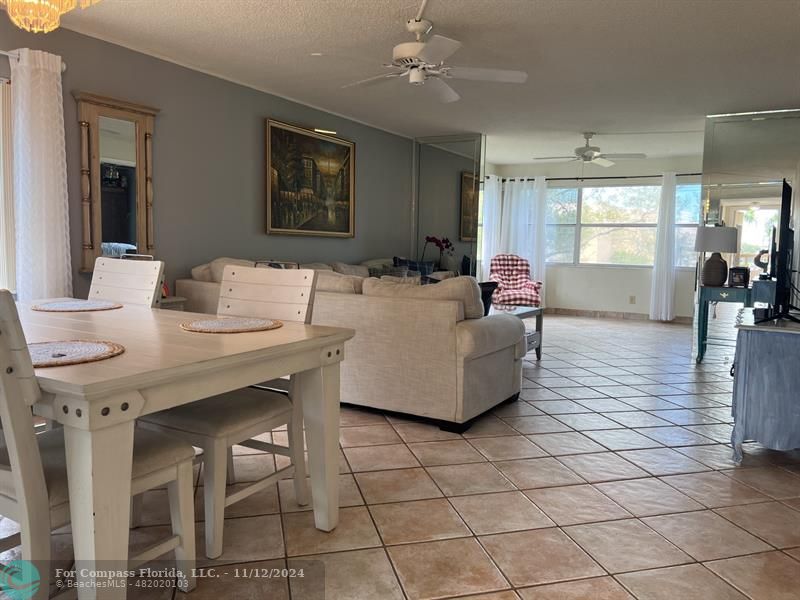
<point x="745" y="159"/>
<point x="449" y="173"/>
<point x="116" y="177"/>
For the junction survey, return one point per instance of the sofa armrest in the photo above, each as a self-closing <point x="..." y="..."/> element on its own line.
<point x="201" y="296"/>
<point x="478" y="337"/>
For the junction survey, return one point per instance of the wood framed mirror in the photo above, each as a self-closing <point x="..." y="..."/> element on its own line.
<point x="116" y="177"/>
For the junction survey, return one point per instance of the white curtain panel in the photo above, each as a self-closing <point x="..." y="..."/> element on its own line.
<point x="538" y="232"/>
<point x="44" y="269"/>
<point x="490" y="232"/>
<point x="522" y="230"/>
<point x="662" y="290"/>
<point x="516" y="223"/>
<point x="7" y="242"/>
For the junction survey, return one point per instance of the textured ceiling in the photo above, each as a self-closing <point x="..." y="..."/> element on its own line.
<point x="612" y="66"/>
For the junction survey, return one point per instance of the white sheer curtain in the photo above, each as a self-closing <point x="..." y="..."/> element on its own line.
<point x="516" y="223"/>
<point x="662" y="291"/>
<point x="7" y="242"/>
<point x="522" y="230"/>
<point x="490" y="232"/>
<point x="538" y="233"/>
<point x="44" y="268"/>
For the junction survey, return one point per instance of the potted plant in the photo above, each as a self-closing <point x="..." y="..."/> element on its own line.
<point x="444" y="245"/>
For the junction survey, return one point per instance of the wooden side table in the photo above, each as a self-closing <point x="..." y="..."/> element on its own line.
<point x="173" y="303"/>
<point x="716" y="294"/>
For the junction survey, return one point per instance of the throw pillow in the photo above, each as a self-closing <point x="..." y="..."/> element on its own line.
<point x="202" y="272"/>
<point x="424" y="268"/>
<point x="218" y="266"/>
<point x="317" y="266"/>
<point x="330" y="281"/>
<point x="461" y="289"/>
<point x="345" y="269"/>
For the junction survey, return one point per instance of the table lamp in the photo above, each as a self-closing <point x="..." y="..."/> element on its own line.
<point x="716" y="240"/>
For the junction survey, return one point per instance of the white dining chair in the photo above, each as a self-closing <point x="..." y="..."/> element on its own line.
<point x="33" y="468"/>
<point x="127" y="281"/>
<point x="235" y="418"/>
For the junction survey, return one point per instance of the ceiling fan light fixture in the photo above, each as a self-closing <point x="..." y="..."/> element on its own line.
<point x="41" y="16"/>
<point x="416" y="76"/>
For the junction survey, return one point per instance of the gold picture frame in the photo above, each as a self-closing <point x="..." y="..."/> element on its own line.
<point x="468" y="208"/>
<point x="310" y="179"/>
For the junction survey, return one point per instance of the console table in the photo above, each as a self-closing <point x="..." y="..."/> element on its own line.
<point x="708" y="294"/>
<point x="766" y="401"/>
<point x="533" y="337"/>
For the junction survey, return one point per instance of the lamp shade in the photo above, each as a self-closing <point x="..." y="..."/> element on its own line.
<point x="717" y="239"/>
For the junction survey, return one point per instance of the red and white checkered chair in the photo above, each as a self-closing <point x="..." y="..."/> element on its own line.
<point x="513" y="275"/>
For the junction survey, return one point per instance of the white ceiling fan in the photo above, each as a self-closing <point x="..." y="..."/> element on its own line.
<point x="592" y="154"/>
<point x="423" y="62"/>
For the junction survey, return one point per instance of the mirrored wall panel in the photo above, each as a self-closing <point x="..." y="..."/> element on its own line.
<point x="746" y="158"/>
<point x="449" y="176"/>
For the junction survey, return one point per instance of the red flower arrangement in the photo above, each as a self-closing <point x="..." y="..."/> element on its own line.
<point x="444" y="245"/>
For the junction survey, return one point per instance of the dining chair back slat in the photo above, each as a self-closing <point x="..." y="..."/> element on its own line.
<point x="284" y="294"/>
<point x="127" y="281"/>
<point x="18" y="391"/>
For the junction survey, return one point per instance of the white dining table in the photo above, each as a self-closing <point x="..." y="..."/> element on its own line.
<point x="164" y="366"/>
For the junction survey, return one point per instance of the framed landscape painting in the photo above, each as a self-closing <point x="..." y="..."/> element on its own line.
<point x="468" y="229"/>
<point x="310" y="182"/>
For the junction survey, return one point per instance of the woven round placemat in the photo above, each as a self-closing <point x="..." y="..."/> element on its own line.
<point x="71" y="352"/>
<point x="230" y="325"/>
<point x="75" y="305"/>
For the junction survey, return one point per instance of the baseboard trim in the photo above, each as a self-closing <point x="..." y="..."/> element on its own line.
<point x="608" y="314"/>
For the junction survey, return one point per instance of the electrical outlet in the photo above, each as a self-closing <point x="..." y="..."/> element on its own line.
<point x="631" y="299"/>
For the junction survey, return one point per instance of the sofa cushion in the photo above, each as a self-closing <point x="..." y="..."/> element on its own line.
<point x="330" y="281"/>
<point x="218" y="265"/>
<point x="406" y="279"/>
<point x="202" y="272"/>
<point x="345" y="269"/>
<point x="317" y="266"/>
<point x="461" y="289"/>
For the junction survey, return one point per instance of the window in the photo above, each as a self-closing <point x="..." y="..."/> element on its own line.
<point x="560" y="216"/>
<point x="7" y="273"/>
<point x="616" y="225"/>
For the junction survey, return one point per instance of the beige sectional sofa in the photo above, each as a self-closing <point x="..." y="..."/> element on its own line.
<point x="420" y="350"/>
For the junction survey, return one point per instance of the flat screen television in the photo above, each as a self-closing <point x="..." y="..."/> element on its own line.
<point x="782" y="260"/>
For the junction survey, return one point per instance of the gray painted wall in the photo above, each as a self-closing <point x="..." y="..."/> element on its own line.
<point x="208" y="170"/>
<point x="440" y="199"/>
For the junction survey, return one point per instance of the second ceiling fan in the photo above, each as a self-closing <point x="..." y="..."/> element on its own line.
<point x="592" y="154"/>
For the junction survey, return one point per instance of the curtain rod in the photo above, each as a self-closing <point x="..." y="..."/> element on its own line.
<point x="597" y="178"/>
<point x="15" y="56"/>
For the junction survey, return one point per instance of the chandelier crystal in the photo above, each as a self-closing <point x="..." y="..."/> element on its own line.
<point x="41" y="16"/>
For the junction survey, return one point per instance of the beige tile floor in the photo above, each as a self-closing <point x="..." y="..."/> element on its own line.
<point x="600" y="483"/>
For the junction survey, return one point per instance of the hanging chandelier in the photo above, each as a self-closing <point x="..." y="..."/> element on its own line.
<point x="41" y="16"/>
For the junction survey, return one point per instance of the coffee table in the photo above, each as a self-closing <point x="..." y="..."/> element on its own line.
<point x="533" y="337"/>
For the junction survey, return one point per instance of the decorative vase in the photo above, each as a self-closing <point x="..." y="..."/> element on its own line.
<point x="715" y="271"/>
<point x="448" y="262"/>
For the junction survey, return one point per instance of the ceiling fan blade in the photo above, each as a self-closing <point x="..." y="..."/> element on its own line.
<point x="624" y="156"/>
<point x="555" y="158"/>
<point x="497" y="75"/>
<point x="602" y="162"/>
<point x="444" y="92"/>
<point x="438" y="49"/>
<point x="376" y="79"/>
